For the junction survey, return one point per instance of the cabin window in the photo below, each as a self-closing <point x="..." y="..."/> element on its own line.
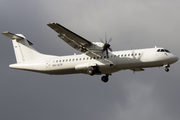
<point x="66" y="60"/>
<point x="73" y="59"/>
<point x="87" y="58"/>
<point x="114" y="55"/>
<point x="125" y="55"/>
<point x="79" y="58"/>
<point x="59" y="60"/>
<point x="121" y="55"/>
<point x="128" y="54"/>
<point x="104" y="56"/>
<point x="69" y="59"/>
<point x="139" y="53"/>
<point x="83" y="58"/>
<point x="135" y="54"/>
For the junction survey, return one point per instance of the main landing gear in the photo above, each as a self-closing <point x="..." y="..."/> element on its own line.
<point x="92" y="70"/>
<point x="105" y="78"/>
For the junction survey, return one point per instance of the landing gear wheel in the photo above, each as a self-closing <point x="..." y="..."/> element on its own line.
<point x="166" y="69"/>
<point x="105" y="78"/>
<point x="90" y="71"/>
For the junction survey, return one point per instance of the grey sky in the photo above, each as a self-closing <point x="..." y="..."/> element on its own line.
<point x="153" y="94"/>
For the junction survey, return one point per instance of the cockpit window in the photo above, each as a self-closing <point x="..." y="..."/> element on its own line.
<point x="167" y="51"/>
<point x="163" y="50"/>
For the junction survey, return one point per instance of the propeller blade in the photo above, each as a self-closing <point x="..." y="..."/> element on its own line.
<point x="110" y="49"/>
<point x="107" y="53"/>
<point x="102" y="41"/>
<point x="106" y="45"/>
<point x="105" y="38"/>
<point x="109" y="40"/>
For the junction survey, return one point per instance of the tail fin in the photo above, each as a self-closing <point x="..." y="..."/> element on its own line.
<point x="22" y="48"/>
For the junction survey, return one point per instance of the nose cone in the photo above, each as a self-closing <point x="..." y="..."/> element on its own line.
<point x="175" y="58"/>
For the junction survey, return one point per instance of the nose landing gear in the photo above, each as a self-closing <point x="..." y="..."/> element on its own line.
<point x="166" y="68"/>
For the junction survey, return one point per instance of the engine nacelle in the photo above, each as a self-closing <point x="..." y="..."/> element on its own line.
<point x="96" y="46"/>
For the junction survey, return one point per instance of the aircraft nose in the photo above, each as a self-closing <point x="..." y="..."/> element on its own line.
<point x="175" y="58"/>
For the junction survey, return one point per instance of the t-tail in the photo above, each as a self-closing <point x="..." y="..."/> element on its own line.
<point x="26" y="55"/>
<point x="23" y="49"/>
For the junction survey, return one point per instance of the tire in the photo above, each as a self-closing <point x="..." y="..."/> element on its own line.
<point x="90" y="71"/>
<point x="104" y="79"/>
<point x="167" y="70"/>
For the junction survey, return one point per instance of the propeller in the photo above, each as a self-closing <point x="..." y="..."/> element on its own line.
<point x="106" y="46"/>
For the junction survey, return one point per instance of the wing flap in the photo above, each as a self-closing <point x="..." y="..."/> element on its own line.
<point x="72" y="43"/>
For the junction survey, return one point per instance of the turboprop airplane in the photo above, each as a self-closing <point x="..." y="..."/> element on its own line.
<point x="97" y="57"/>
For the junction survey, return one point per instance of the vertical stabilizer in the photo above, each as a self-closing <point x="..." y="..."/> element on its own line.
<point x="24" y="52"/>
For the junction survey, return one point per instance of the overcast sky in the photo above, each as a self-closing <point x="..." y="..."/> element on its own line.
<point x="150" y="95"/>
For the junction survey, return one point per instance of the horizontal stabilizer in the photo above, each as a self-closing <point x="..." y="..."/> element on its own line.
<point x="12" y="36"/>
<point x="15" y="36"/>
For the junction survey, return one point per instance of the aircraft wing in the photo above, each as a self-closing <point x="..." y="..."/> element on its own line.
<point x="74" y="40"/>
<point x="71" y="38"/>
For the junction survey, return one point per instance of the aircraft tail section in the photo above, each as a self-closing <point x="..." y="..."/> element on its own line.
<point x="23" y="49"/>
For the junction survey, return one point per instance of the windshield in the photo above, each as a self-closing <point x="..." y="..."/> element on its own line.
<point x="163" y="50"/>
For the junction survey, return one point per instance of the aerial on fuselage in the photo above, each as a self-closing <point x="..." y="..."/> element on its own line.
<point x="97" y="57"/>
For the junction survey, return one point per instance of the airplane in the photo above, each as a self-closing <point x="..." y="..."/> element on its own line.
<point x="97" y="58"/>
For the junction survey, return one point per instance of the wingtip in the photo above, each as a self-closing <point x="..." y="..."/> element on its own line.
<point x="50" y="23"/>
<point x="5" y="32"/>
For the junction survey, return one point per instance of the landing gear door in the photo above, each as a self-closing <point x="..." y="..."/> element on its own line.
<point x="106" y="67"/>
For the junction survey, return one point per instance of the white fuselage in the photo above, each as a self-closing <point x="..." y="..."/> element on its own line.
<point x="96" y="58"/>
<point x="118" y="60"/>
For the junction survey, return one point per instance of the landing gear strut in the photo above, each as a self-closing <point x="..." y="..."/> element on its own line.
<point x="105" y="78"/>
<point x="166" y="68"/>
